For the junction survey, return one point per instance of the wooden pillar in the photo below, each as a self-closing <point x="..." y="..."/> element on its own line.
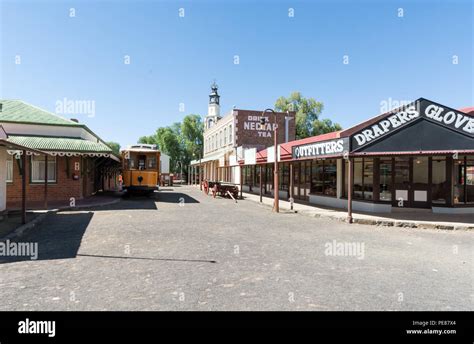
<point x="23" y="188"/>
<point x="291" y="185"/>
<point x="350" y="181"/>
<point x="241" y="181"/>
<point x="46" y="181"/>
<point x="260" y="181"/>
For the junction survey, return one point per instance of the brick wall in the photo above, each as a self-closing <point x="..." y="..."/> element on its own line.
<point x="64" y="188"/>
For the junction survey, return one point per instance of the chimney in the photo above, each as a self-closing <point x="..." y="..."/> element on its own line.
<point x="74" y="120"/>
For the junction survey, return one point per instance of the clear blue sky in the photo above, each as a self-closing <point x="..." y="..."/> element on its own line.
<point x="174" y="60"/>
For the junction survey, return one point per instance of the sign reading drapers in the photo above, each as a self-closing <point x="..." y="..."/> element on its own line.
<point x="421" y="109"/>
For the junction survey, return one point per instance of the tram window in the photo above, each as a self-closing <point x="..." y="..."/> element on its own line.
<point x="141" y="162"/>
<point x="152" y="163"/>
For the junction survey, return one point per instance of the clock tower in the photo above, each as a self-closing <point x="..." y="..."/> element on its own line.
<point x="213" y="110"/>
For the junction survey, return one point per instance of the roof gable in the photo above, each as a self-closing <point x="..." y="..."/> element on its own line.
<point x="422" y="109"/>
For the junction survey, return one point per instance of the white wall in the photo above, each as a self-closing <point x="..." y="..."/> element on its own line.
<point x="164" y="163"/>
<point x="3" y="178"/>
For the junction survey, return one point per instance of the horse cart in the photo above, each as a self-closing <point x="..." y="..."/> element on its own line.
<point x="222" y="189"/>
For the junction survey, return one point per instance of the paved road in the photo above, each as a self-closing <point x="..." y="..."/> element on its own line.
<point x="184" y="251"/>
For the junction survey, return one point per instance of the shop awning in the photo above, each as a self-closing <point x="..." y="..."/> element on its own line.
<point x="63" y="146"/>
<point x="211" y="157"/>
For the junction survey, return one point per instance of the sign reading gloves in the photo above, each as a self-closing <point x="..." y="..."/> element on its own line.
<point x="420" y="109"/>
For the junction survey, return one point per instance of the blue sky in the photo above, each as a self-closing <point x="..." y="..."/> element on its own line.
<point x="174" y="59"/>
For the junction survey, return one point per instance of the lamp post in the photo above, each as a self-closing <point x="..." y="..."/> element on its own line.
<point x="276" y="205"/>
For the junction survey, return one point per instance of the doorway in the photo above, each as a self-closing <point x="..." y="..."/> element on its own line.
<point x="411" y="180"/>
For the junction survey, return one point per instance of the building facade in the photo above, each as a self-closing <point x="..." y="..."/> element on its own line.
<point x="75" y="161"/>
<point x="417" y="156"/>
<point x="228" y="139"/>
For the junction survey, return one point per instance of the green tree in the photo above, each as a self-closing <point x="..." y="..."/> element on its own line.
<point x="324" y="126"/>
<point x="182" y="141"/>
<point x="192" y="135"/>
<point x="114" y="146"/>
<point x="307" y="111"/>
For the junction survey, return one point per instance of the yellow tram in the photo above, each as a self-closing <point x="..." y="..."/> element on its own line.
<point x="140" y="169"/>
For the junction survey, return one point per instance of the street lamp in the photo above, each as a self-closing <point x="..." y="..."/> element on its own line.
<point x="276" y="205"/>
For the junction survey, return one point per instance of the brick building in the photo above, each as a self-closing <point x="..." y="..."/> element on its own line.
<point x="76" y="161"/>
<point x="236" y="136"/>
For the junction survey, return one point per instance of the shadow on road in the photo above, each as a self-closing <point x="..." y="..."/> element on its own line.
<point x="175" y="197"/>
<point x="58" y="237"/>
<point x="148" y="258"/>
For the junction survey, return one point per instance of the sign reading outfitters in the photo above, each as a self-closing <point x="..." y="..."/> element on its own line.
<point x="321" y="149"/>
<point x="421" y="109"/>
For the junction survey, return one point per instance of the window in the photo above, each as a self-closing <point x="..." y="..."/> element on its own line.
<point x="385" y="179"/>
<point x="9" y="168"/>
<point x="324" y="177"/>
<point x="464" y="178"/>
<point x="220" y="139"/>
<point x="230" y="134"/>
<point x="363" y="179"/>
<point x="37" y="169"/>
<point x="152" y="162"/>
<point x="225" y="136"/>
<point x="438" y="182"/>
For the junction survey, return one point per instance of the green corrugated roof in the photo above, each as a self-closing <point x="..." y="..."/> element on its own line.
<point x="61" y="144"/>
<point x="19" y="111"/>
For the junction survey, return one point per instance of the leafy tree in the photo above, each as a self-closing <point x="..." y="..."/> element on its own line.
<point x="114" y="146"/>
<point x="307" y="111"/>
<point x="181" y="141"/>
<point x="324" y="126"/>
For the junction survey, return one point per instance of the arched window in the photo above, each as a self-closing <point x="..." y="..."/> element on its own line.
<point x="230" y="134"/>
<point x="225" y="136"/>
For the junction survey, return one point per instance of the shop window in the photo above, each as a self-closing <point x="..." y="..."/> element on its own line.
<point x="402" y="170"/>
<point x="37" y="169"/>
<point x="420" y="170"/>
<point x="317" y="177"/>
<point x="438" y="184"/>
<point x="9" y="168"/>
<point x="363" y="187"/>
<point x="464" y="177"/>
<point x="324" y="177"/>
<point x="358" y="179"/>
<point x="330" y="178"/>
<point x="284" y="180"/>
<point x="385" y="171"/>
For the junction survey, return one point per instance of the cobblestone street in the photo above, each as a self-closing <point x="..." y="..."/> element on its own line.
<point x="185" y="251"/>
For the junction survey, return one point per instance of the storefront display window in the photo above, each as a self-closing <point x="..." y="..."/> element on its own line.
<point x="438" y="182"/>
<point x="464" y="179"/>
<point x="324" y="177"/>
<point x="385" y="171"/>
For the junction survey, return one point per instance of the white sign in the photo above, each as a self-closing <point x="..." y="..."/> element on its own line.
<point x="333" y="147"/>
<point x="386" y="125"/>
<point x="263" y="130"/>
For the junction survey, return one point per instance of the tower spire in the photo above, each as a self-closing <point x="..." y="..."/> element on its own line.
<point x="213" y="109"/>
